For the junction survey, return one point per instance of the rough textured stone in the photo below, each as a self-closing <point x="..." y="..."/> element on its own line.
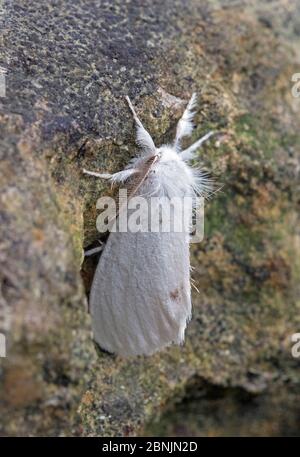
<point x="69" y="66"/>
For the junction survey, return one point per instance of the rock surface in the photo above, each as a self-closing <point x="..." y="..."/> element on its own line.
<point x="69" y="67"/>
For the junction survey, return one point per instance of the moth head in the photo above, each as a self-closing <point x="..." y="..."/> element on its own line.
<point x="167" y="153"/>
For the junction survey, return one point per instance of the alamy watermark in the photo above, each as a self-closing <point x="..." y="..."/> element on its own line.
<point x="4" y="325"/>
<point x="296" y="86"/>
<point x="3" y="73"/>
<point x="2" y="345"/>
<point x="295" y="338"/>
<point x="136" y="214"/>
<point x="3" y="70"/>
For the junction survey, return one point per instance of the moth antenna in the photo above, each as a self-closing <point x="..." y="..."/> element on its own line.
<point x="185" y="124"/>
<point x="143" y="137"/>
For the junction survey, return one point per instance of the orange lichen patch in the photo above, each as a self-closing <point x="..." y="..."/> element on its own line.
<point x="87" y="398"/>
<point x="22" y="385"/>
<point x="216" y="265"/>
<point x="263" y="203"/>
<point x="278" y="272"/>
<point x="38" y="235"/>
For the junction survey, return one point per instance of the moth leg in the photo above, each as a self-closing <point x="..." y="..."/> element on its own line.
<point x="120" y="176"/>
<point x="185" y="123"/>
<point x="189" y="153"/>
<point x="94" y="250"/>
<point x="143" y="137"/>
<point x="97" y="175"/>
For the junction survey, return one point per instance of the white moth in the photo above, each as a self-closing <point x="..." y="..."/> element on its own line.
<point x="140" y="299"/>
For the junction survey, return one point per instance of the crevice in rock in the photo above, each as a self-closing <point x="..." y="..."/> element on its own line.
<point x="213" y="410"/>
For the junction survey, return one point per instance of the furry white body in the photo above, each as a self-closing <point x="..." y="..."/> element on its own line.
<point x="140" y="299"/>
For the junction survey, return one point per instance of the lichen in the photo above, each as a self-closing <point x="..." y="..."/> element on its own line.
<point x="65" y="111"/>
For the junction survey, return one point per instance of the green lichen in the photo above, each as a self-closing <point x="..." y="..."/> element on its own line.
<point x="69" y="96"/>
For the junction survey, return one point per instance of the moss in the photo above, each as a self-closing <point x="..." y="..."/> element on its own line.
<point x="69" y="96"/>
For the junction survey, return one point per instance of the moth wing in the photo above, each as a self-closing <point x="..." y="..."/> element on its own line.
<point x="140" y="298"/>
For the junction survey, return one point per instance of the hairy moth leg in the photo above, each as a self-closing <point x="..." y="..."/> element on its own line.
<point x="189" y="153"/>
<point x="95" y="250"/>
<point x="119" y="177"/>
